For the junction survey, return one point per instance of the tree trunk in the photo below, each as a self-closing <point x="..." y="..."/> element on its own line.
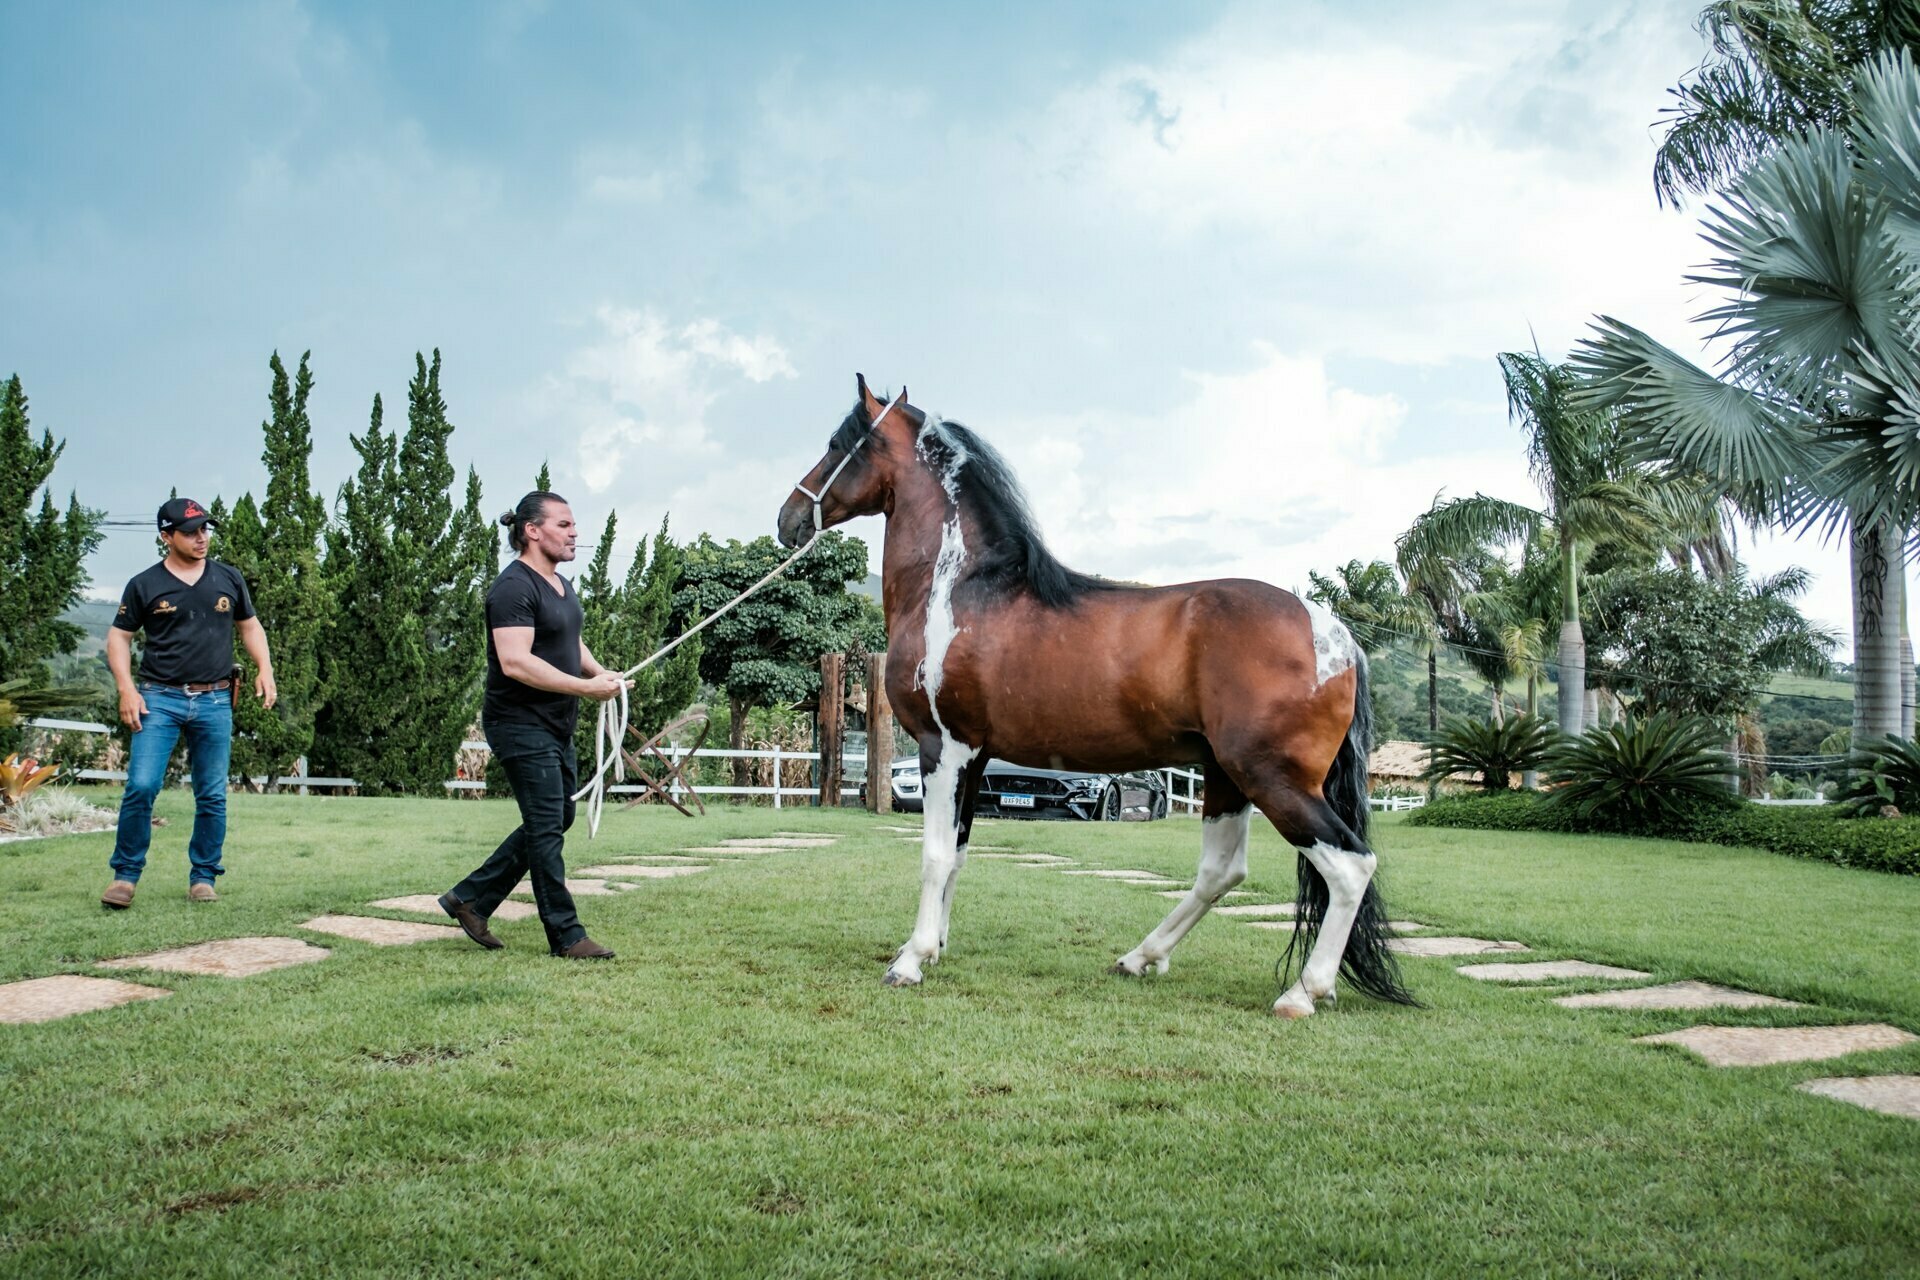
<point x="1906" y="659"/>
<point x="737" y="741"/>
<point x="1530" y="778"/>
<point x="1573" y="643"/>
<point x="1433" y="691"/>
<point x="1876" y="634"/>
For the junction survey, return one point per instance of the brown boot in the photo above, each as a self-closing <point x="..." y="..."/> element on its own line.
<point x="119" y="895"/>
<point x="585" y="949"/>
<point x="470" y="920"/>
<point x="201" y="891"/>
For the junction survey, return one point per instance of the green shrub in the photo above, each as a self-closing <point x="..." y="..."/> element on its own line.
<point x="1635" y="772"/>
<point x="1815" y="832"/>
<point x="1494" y="751"/>
<point x="1885" y="771"/>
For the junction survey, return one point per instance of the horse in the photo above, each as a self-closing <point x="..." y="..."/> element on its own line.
<point x="997" y="650"/>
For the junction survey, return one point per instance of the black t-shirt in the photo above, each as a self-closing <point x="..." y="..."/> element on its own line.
<point x="520" y="597"/>
<point x="189" y="626"/>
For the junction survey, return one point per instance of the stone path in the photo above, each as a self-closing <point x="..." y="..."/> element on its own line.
<point x="635" y="872"/>
<point x="1764" y="1046"/>
<point x="428" y="904"/>
<point x="1677" y="995"/>
<point x="1543" y="970"/>
<point x="1451" y="946"/>
<point x="227" y="958"/>
<point x="382" y="933"/>
<point x="1248" y="908"/>
<point x="44" y="999"/>
<point x="1895" y="1095"/>
<point x="1396" y="926"/>
<point x="580" y="888"/>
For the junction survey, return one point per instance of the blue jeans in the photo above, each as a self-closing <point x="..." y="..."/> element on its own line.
<point x="205" y="720"/>
<point x="543" y="770"/>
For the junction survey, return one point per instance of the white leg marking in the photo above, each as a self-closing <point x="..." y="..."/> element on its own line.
<point x="946" y="898"/>
<point x="1346" y="874"/>
<point x="940" y="851"/>
<point x="1223" y="864"/>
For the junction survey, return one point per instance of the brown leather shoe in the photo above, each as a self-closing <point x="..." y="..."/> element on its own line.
<point x="470" y="920"/>
<point x="119" y="895"/>
<point x="201" y="891"/>
<point x="586" y="949"/>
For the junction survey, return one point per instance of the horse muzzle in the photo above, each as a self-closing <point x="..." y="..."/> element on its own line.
<point x="795" y="524"/>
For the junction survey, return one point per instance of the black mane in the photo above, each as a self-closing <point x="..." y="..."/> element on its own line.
<point x="1012" y="553"/>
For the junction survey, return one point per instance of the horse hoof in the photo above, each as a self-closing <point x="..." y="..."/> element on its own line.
<point x="1291" y="1011"/>
<point x="895" y="978"/>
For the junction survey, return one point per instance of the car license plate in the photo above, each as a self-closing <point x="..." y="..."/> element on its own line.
<point x="1016" y="802"/>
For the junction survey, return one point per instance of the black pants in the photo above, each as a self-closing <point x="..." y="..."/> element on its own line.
<point x="543" y="771"/>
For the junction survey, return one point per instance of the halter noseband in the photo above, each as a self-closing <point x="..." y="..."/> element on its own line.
<point x="819" y="521"/>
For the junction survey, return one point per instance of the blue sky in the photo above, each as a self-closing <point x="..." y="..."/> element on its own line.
<point x="1225" y="282"/>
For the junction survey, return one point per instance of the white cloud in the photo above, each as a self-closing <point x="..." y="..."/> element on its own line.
<point x="1263" y="474"/>
<point x="648" y="382"/>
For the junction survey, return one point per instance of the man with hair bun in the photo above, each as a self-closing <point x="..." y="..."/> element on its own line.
<point x="538" y="669"/>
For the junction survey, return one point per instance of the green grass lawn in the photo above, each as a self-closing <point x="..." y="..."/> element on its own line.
<point x="738" y="1094"/>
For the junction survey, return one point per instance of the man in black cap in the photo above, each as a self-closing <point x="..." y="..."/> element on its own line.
<point x="189" y="606"/>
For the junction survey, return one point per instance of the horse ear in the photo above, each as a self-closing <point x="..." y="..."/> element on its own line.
<point x="873" y="403"/>
<point x="903" y="393"/>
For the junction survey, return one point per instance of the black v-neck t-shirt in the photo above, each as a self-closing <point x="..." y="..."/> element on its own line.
<point x="189" y="626"/>
<point x="520" y="597"/>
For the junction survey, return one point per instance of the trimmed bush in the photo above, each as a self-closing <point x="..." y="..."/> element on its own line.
<point x="1877" y="844"/>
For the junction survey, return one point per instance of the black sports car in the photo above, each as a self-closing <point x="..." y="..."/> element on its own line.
<point x="1017" y="791"/>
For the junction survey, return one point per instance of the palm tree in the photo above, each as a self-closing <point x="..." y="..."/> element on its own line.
<point x="1814" y="415"/>
<point x="1778" y="68"/>
<point x="1592" y="491"/>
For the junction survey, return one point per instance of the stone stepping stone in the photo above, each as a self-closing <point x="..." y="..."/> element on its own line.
<point x="639" y="873"/>
<point x="663" y="857"/>
<point x="580" y="888"/>
<point x="382" y="933"/>
<point x="44" y="999"/>
<point x="1177" y="894"/>
<point x="1544" y="970"/>
<point x="1451" y="946"/>
<point x="1764" y="1046"/>
<point x="779" y="842"/>
<point x="1895" y="1095"/>
<point x="1676" y="995"/>
<point x="885" y="827"/>
<point x="1250" y="908"/>
<point x="227" y="958"/>
<point x="1042" y="860"/>
<point x="428" y="904"/>
<point x="717" y="851"/>
<point x="1120" y="874"/>
<point x="1397" y="926"/>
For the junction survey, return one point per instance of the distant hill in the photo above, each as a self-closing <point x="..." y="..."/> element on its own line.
<point x="869" y="588"/>
<point x="96" y="616"/>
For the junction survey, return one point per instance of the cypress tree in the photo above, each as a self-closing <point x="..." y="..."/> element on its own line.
<point x="42" y="552"/>
<point x="276" y="544"/>
<point x="403" y="670"/>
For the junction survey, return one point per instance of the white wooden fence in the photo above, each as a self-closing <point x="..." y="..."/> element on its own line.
<point x="1187" y="796"/>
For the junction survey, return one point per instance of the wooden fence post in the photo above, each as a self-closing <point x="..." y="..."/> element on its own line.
<point x="879" y="737"/>
<point x="833" y="719"/>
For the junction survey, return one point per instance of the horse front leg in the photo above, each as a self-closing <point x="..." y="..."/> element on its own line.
<point x="945" y="774"/>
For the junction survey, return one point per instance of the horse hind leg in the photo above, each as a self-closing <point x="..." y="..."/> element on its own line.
<point x="1225" y="815"/>
<point x="1337" y="906"/>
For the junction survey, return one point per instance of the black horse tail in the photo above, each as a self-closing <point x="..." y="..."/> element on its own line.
<point x="1366" y="962"/>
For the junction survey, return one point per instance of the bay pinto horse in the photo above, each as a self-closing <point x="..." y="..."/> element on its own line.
<point x="997" y="650"/>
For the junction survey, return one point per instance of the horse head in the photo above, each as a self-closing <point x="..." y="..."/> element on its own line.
<point x="855" y="474"/>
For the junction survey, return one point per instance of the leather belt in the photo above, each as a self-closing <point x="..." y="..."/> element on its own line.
<point x="214" y="686"/>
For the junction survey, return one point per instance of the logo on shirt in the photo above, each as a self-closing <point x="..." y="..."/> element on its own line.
<point x="164" y="606"/>
<point x="123" y="611"/>
<point x="224" y="606"/>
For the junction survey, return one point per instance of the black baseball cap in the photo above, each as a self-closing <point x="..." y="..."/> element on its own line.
<point x="184" y="515"/>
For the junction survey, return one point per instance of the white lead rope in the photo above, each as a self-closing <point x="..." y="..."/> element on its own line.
<point x="611" y="732"/>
